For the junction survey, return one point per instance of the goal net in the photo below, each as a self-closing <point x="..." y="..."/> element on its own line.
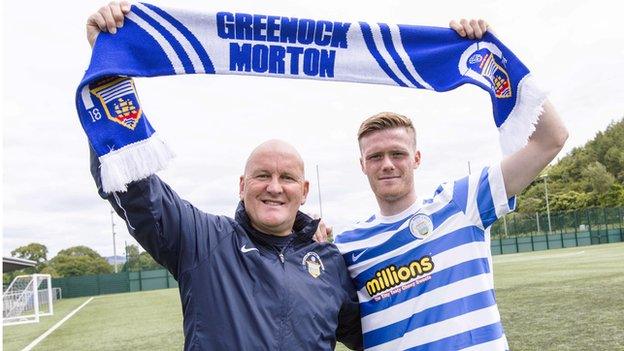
<point x="27" y="298"/>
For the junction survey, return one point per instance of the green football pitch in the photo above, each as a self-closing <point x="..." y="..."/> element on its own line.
<point x="566" y="299"/>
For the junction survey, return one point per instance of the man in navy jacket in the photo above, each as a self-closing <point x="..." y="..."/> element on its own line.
<point x="257" y="281"/>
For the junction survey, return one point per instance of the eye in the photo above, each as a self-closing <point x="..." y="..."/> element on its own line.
<point x="398" y="154"/>
<point x="262" y="176"/>
<point x="288" y="178"/>
<point x="374" y="157"/>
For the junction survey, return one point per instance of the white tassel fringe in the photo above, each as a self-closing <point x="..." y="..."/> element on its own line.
<point x="514" y="133"/>
<point x="133" y="162"/>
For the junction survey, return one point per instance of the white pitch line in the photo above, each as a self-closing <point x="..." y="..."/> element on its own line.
<point x="54" y="327"/>
<point x="545" y="256"/>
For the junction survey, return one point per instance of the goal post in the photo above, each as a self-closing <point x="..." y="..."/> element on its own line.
<point x="27" y="298"/>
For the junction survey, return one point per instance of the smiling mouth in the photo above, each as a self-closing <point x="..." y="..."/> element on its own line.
<point x="272" y="202"/>
<point x="388" y="178"/>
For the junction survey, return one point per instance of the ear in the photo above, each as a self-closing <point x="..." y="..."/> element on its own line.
<point x="416" y="159"/>
<point x="241" y="187"/>
<point x="306" y="189"/>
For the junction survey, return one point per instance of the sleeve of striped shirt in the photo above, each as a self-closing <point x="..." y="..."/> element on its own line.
<point x="482" y="196"/>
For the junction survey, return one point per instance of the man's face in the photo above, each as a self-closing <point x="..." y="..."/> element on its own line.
<point x="273" y="188"/>
<point x="389" y="158"/>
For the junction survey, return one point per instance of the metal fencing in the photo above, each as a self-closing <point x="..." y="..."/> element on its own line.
<point x="543" y="231"/>
<point x="91" y="285"/>
<point x="511" y="234"/>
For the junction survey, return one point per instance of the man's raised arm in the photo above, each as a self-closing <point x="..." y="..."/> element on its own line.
<point x="520" y="168"/>
<point x="173" y="231"/>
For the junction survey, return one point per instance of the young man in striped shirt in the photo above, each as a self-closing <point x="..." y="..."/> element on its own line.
<point x="423" y="268"/>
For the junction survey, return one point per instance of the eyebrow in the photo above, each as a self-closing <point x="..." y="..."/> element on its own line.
<point x="384" y="151"/>
<point x="281" y="174"/>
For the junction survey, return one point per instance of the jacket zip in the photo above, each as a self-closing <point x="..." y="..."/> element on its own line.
<point x="282" y="259"/>
<point x="280" y="254"/>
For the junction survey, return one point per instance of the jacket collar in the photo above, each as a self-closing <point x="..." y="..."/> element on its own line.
<point x="303" y="228"/>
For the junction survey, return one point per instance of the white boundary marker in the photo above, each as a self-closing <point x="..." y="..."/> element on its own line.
<point x="54" y="327"/>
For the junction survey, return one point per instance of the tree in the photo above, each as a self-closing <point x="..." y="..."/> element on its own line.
<point x="614" y="197"/>
<point x="570" y="200"/>
<point x="51" y="271"/>
<point x="69" y="266"/>
<point x="147" y="262"/>
<point x="138" y="261"/>
<point x="34" y="252"/>
<point x="132" y="259"/>
<point x="132" y="251"/>
<point x="597" y="178"/>
<point x="79" y="251"/>
<point x="591" y="175"/>
<point x="79" y="260"/>
<point x="614" y="160"/>
<point x="7" y="278"/>
<point x="530" y="206"/>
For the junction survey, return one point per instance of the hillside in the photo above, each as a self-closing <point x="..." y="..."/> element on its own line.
<point x="589" y="176"/>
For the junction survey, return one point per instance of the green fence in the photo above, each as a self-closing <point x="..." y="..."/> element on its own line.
<point x="91" y="285"/>
<point x="522" y="233"/>
<point x="515" y="233"/>
<point x="151" y="280"/>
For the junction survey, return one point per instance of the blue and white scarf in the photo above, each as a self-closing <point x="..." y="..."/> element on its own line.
<point x="158" y="42"/>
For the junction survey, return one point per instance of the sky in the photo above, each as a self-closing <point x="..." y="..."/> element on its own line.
<point x="575" y="50"/>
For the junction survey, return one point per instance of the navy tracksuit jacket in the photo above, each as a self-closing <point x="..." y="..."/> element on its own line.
<point x="238" y="292"/>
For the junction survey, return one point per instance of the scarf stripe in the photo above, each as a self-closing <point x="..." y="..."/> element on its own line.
<point x="170" y="37"/>
<point x="165" y="45"/>
<point x="157" y="42"/>
<point x="372" y="47"/>
<point x="196" y="51"/>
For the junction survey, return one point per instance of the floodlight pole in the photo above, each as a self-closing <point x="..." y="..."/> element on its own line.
<point x="318" y="183"/>
<point x="545" y="176"/>
<point x="114" y="244"/>
<point x="126" y="248"/>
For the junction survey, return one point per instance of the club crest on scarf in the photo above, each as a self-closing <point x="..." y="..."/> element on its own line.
<point x="119" y="100"/>
<point x="412" y="56"/>
<point x="485" y="63"/>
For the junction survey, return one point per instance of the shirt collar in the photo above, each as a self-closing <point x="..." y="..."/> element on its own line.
<point x="406" y="212"/>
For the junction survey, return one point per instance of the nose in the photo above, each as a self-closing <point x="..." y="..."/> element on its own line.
<point x="274" y="186"/>
<point x="387" y="164"/>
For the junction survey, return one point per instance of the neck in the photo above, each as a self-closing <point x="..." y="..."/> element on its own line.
<point x="395" y="206"/>
<point x="270" y="231"/>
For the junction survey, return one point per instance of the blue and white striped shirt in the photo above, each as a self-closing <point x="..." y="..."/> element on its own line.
<point x="424" y="276"/>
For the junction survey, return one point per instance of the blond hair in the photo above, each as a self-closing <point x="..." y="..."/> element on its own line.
<point x="383" y="121"/>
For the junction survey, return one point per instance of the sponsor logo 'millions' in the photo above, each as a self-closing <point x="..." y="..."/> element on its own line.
<point x="391" y="276"/>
